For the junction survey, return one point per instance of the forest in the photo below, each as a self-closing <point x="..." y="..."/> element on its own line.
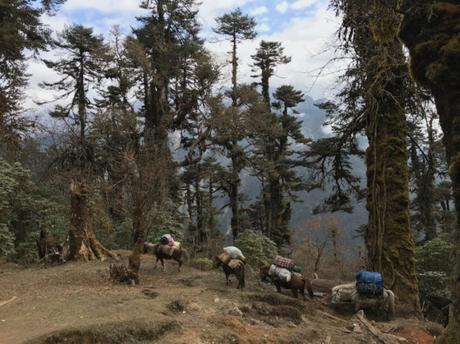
<point x="143" y="130"/>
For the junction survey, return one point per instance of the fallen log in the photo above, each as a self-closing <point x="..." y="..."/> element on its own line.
<point x="374" y="334"/>
<point x="330" y="316"/>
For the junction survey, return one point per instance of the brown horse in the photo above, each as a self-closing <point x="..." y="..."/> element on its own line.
<point x="238" y="271"/>
<point x="296" y="284"/>
<point x="162" y="252"/>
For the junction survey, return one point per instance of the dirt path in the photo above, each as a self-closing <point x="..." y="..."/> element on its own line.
<point x="188" y="307"/>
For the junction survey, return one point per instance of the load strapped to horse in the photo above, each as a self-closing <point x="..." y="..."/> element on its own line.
<point x="367" y="292"/>
<point x="170" y="244"/>
<point x="232" y="261"/>
<point x="282" y="268"/>
<point x="284" y="273"/>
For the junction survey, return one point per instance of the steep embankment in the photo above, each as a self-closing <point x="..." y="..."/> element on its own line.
<point x="78" y="303"/>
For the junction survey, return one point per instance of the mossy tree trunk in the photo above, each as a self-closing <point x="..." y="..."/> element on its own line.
<point x="388" y="237"/>
<point x="430" y="31"/>
<point x="82" y="241"/>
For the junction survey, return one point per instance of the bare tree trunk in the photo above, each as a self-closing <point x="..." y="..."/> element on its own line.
<point x="82" y="241"/>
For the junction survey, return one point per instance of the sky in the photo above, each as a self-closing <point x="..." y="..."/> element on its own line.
<point x="306" y="29"/>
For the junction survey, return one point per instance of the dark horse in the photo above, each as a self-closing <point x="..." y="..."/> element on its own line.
<point x="162" y="252"/>
<point x="296" y="284"/>
<point x="238" y="271"/>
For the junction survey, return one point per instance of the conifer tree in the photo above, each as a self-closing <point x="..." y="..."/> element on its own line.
<point x="21" y="29"/>
<point x="267" y="57"/>
<point x="80" y="69"/>
<point x="276" y="212"/>
<point x="237" y="27"/>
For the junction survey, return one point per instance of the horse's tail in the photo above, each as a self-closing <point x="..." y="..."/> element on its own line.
<point x="390" y="302"/>
<point x="186" y="254"/>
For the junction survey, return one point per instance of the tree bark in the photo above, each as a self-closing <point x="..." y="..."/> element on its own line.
<point x="448" y="106"/>
<point x="82" y="241"/>
<point x="234" y="71"/>
<point x="388" y="237"/>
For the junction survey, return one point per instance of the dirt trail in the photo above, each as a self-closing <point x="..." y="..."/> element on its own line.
<point x="188" y="307"/>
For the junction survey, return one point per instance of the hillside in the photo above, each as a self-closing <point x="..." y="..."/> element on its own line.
<point x="76" y="303"/>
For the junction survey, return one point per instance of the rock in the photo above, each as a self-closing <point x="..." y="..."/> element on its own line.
<point x="254" y="321"/>
<point x="291" y="324"/>
<point x="216" y="300"/>
<point x="235" y="311"/>
<point x="150" y="293"/>
<point x="357" y="328"/>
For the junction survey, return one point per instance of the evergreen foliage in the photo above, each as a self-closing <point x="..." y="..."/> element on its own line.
<point x="258" y="248"/>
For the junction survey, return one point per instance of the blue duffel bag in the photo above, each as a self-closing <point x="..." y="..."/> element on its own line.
<point x="369" y="283"/>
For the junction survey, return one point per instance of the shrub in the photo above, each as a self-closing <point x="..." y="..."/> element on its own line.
<point x="258" y="249"/>
<point x="6" y="241"/>
<point x="204" y="264"/>
<point x="434" y="267"/>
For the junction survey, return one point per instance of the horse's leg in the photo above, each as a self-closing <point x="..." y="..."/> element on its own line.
<point x="180" y="264"/>
<point x="302" y="292"/>
<point x="278" y="287"/>
<point x="156" y="263"/>
<point x="226" y="277"/>
<point x="295" y="293"/>
<point x="163" y="264"/>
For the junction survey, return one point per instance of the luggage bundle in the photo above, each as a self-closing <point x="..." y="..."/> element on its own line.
<point x="231" y="256"/>
<point x="283" y="262"/>
<point x="282" y="268"/>
<point x="225" y="258"/>
<point x="279" y="273"/>
<point x="167" y="239"/>
<point x="235" y="263"/>
<point x="234" y="253"/>
<point x="369" y="284"/>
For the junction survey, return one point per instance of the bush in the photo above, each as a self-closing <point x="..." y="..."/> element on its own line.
<point x="204" y="264"/>
<point x="258" y="249"/>
<point x="6" y="242"/>
<point x="434" y="267"/>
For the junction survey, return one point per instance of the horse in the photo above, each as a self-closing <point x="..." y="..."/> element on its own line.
<point x="347" y="293"/>
<point x="238" y="271"/>
<point x="162" y="252"/>
<point x="297" y="284"/>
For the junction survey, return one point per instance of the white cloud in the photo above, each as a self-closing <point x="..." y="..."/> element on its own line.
<point x="282" y="7"/>
<point x="304" y="39"/>
<point x="210" y="9"/>
<point x="102" y="5"/>
<point x="264" y="27"/>
<point x="301" y="4"/>
<point x="258" y="11"/>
